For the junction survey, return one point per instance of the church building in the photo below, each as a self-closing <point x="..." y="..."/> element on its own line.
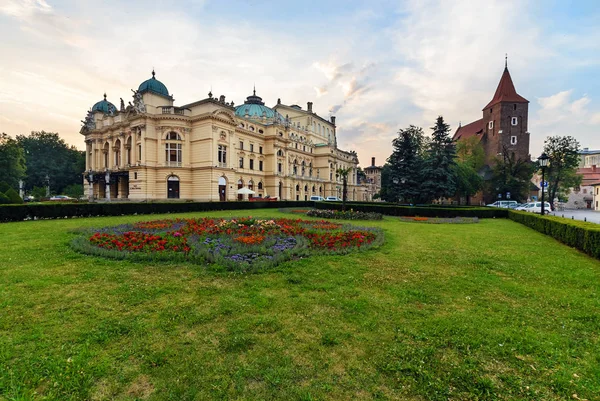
<point x="502" y="130"/>
<point x="209" y="149"/>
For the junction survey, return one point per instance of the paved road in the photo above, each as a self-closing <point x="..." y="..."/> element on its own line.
<point x="585" y="214"/>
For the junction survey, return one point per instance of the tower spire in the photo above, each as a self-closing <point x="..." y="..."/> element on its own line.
<point x="153" y="73"/>
<point x="254" y="90"/>
<point x="505" y="61"/>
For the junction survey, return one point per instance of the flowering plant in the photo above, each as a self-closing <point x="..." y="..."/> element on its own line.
<point x="241" y="244"/>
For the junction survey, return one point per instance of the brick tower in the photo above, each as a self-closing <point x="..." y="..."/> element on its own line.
<point x="505" y="122"/>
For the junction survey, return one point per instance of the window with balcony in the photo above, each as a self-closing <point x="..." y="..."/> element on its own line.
<point x="251" y="164"/>
<point x="251" y="147"/>
<point x="222" y="156"/>
<point x="242" y="145"/>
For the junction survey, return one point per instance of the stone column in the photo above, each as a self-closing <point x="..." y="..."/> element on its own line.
<point x="107" y="187"/>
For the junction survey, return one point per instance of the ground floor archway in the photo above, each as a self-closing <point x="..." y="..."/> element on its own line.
<point x="173" y="187"/>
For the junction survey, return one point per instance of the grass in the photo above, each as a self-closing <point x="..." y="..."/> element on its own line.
<point x="488" y="311"/>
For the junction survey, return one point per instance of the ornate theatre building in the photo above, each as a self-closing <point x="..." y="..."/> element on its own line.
<point x="207" y="150"/>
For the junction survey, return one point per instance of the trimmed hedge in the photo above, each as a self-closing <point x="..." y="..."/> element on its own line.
<point x="577" y="234"/>
<point x="421" y="211"/>
<point x="66" y="210"/>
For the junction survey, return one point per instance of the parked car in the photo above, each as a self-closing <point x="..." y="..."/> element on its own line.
<point x="317" y="198"/>
<point x="333" y="199"/>
<point x="537" y="208"/>
<point x="525" y="206"/>
<point x="60" y="198"/>
<point x="503" y="204"/>
<point x="29" y="198"/>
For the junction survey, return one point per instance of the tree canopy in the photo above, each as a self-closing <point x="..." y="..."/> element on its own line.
<point x="12" y="161"/>
<point x="561" y="173"/>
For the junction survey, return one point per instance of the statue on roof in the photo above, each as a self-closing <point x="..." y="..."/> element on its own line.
<point x="122" y="105"/>
<point x="138" y="103"/>
<point x="89" y="123"/>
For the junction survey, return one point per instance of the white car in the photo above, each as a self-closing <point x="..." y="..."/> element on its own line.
<point x="61" y="198"/>
<point x="316" y="198"/>
<point x="537" y="208"/>
<point x="333" y="199"/>
<point x="503" y="204"/>
<point x="525" y="206"/>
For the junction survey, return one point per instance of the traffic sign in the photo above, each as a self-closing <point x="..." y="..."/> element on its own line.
<point x="545" y="184"/>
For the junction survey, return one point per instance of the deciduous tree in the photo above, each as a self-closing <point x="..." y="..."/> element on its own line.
<point x="12" y="161"/>
<point x="561" y="172"/>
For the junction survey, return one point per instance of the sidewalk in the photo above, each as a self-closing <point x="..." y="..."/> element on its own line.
<point x="583" y="215"/>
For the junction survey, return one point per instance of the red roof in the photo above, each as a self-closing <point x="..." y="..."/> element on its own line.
<point x="506" y="91"/>
<point x="467" y="131"/>
<point x="591" y="175"/>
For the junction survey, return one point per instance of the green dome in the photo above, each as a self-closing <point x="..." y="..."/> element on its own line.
<point x="254" y="107"/>
<point x="153" y="85"/>
<point x="104" y="106"/>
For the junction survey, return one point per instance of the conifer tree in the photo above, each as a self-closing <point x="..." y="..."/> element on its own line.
<point x="439" y="164"/>
<point x="401" y="177"/>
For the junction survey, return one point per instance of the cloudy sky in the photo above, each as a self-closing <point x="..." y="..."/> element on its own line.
<point x="377" y="65"/>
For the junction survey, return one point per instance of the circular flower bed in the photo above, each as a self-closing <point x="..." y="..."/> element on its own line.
<point x="231" y="244"/>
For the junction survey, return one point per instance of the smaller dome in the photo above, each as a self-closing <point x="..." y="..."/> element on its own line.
<point x="104" y="106"/>
<point x="153" y="85"/>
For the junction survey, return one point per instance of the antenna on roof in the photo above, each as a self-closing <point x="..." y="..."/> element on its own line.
<point x="254" y="91"/>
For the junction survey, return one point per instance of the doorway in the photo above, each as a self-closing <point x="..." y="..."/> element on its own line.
<point x="173" y="187"/>
<point x="222" y="189"/>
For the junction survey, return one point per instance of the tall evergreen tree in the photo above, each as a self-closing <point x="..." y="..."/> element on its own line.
<point x="439" y="164"/>
<point x="401" y="177"/>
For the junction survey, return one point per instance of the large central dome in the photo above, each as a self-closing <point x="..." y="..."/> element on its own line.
<point x="254" y="107"/>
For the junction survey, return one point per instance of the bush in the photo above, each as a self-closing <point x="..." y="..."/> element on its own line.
<point x="344" y="215"/>
<point x="423" y="211"/>
<point x="4" y="187"/>
<point x="4" y="200"/>
<point x="65" y="210"/>
<point x="577" y="234"/>
<point x="14" y="197"/>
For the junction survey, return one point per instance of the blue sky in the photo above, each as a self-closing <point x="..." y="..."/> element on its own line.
<point x="378" y="65"/>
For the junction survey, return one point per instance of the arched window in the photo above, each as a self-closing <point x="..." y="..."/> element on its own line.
<point x="240" y="186"/>
<point x="313" y="189"/>
<point x="117" y="152"/>
<point x="280" y="153"/>
<point x="306" y="188"/>
<point x="173" y="136"/>
<point x="260" y="185"/>
<point x="297" y="187"/>
<point x="128" y="148"/>
<point x="251" y="184"/>
<point x="105" y="151"/>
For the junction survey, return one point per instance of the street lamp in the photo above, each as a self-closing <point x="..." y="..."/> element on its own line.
<point x="543" y="160"/>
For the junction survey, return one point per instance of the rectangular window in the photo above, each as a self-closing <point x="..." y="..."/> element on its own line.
<point x="242" y="145"/>
<point x="140" y="152"/>
<point x="279" y="168"/>
<point x="260" y="150"/>
<point x="251" y="164"/>
<point x="135" y="176"/>
<point x="260" y="165"/>
<point x="251" y="147"/>
<point x="514" y="121"/>
<point x="491" y="124"/>
<point x="513" y="140"/>
<point x="173" y="154"/>
<point x="241" y="162"/>
<point x="222" y="156"/>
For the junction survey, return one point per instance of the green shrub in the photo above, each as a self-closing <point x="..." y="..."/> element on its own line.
<point x="14" y="197"/>
<point x="66" y="210"/>
<point x="4" y="200"/>
<point x="4" y="187"/>
<point x="422" y="211"/>
<point x="577" y="234"/>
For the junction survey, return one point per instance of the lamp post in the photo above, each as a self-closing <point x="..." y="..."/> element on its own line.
<point x="543" y="160"/>
<point x="47" y="186"/>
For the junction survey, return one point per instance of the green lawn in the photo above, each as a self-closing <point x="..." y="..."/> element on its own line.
<point x="440" y="312"/>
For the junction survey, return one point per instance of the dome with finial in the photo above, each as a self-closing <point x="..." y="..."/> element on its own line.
<point x="254" y="107"/>
<point x="104" y="106"/>
<point x="153" y="85"/>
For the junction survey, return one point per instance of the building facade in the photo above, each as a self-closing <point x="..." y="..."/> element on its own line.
<point x="373" y="181"/>
<point x="207" y="150"/>
<point x="584" y="196"/>
<point x="503" y="129"/>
